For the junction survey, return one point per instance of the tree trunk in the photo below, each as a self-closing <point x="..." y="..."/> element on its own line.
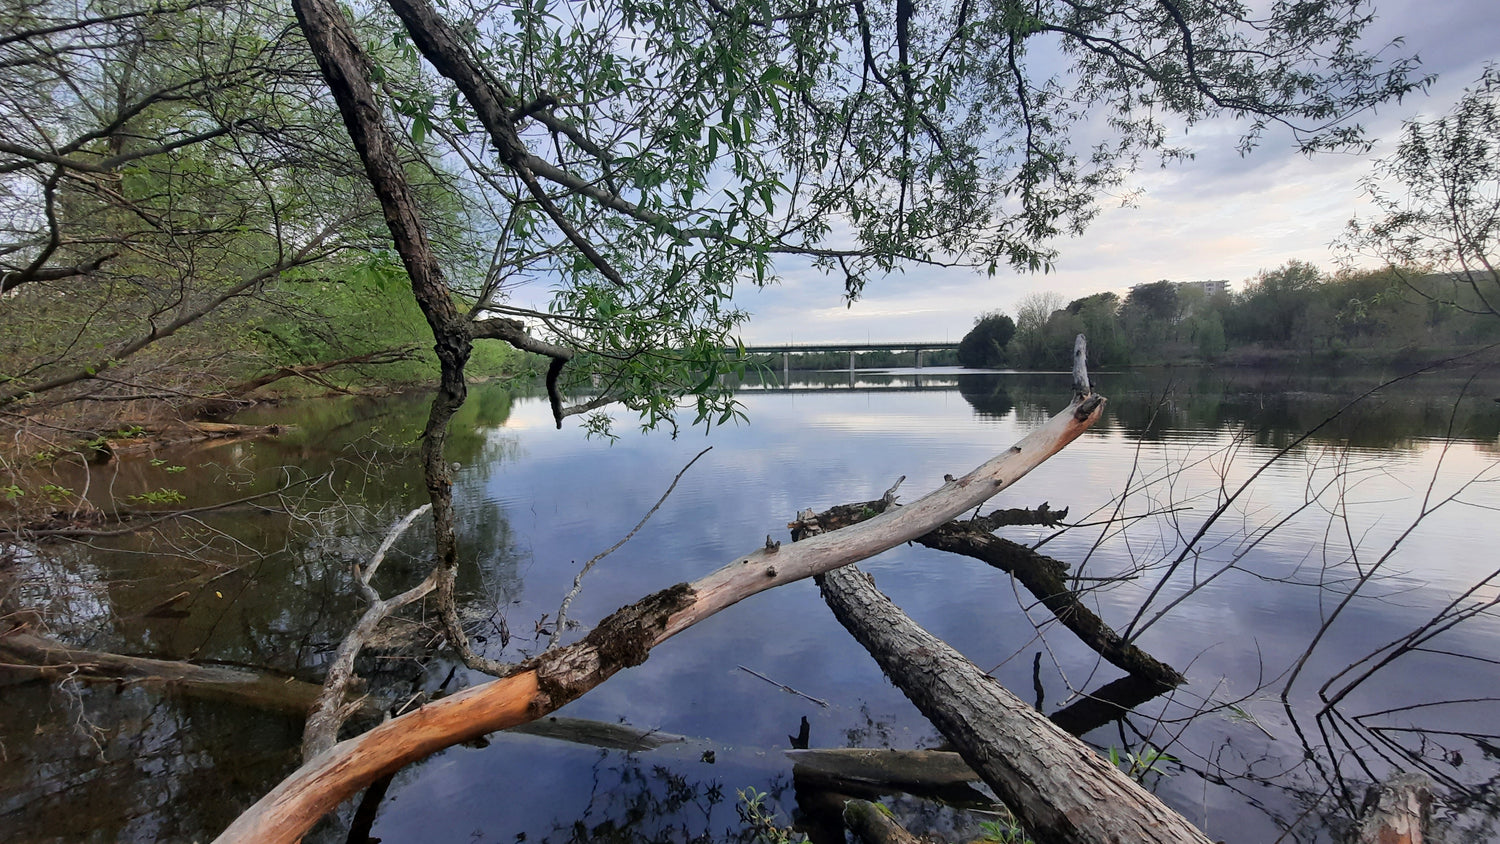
<point x="556" y="677"/>
<point x="1062" y="791"/>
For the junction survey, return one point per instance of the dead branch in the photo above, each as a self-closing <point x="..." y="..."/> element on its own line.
<point x="1043" y="577"/>
<point x="330" y="710"/>
<point x="547" y="682"/>
<point x="1060" y="789"/>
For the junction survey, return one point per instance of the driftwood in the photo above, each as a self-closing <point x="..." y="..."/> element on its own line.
<point x="547" y="682"/>
<point x="1043" y="576"/>
<point x="27" y="656"/>
<point x="1398" y="812"/>
<point x="1062" y="791"/>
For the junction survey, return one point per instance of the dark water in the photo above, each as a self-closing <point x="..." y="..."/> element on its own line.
<point x="1257" y="616"/>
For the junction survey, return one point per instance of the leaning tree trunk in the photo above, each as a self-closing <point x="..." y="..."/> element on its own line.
<point x="1059" y="788"/>
<point x="556" y="677"/>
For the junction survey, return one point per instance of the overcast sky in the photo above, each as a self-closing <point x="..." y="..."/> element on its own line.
<point x="1219" y="216"/>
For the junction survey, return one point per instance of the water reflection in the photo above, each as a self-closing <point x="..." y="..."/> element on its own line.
<point x="259" y="587"/>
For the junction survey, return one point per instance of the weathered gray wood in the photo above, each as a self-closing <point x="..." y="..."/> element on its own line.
<point x="1399" y="813"/>
<point x="1060" y="789"/>
<point x="597" y="733"/>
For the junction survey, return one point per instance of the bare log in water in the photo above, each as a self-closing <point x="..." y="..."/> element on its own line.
<point x="872" y="825"/>
<point x="1061" y="790"/>
<point x="1043" y="576"/>
<point x="27" y="656"/>
<point x="547" y="682"/>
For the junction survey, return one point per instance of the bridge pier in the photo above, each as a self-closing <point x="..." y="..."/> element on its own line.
<point x="851" y="361"/>
<point x="919" y="358"/>
<point x="786" y="369"/>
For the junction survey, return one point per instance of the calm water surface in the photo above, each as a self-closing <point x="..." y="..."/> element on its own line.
<point x="1396" y="500"/>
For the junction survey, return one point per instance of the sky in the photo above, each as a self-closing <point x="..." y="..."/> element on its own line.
<point x="1219" y="216"/>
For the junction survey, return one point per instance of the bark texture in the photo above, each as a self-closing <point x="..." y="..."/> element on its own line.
<point x="1059" y="788"/>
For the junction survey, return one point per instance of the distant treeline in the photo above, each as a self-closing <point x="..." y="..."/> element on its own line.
<point x="862" y="360"/>
<point x="1293" y="311"/>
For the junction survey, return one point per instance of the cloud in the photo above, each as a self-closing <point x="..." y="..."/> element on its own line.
<point x="1221" y="215"/>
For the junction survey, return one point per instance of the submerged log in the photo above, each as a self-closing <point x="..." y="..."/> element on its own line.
<point x="28" y="656"/>
<point x="547" y="682"/>
<point x="1061" y="790"/>
<point x="871" y="824"/>
<point x="1398" y="812"/>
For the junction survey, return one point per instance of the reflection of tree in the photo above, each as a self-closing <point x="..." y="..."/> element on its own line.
<point x="153" y="769"/>
<point x="987" y="394"/>
<point x="263" y="586"/>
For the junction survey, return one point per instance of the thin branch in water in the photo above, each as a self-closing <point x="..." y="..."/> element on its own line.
<point x="562" y="611"/>
<point x="784" y="687"/>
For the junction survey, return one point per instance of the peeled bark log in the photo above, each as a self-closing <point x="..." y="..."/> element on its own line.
<point x="1062" y="791"/>
<point x="547" y="682"/>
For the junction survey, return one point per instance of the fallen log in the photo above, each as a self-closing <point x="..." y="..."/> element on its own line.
<point x="547" y="682"/>
<point x="859" y="772"/>
<point x="1061" y="790"/>
<point x="895" y="769"/>
<point x="28" y="656"/>
<point x="598" y="734"/>
<point x="1042" y="576"/>
<point x="870" y="824"/>
<point x="1107" y="703"/>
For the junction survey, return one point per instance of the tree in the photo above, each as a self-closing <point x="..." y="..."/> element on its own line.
<point x="1028" y="347"/>
<point x="163" y="166"/>
<point x="1277" y="304"/>
<point x="984" y="346"/>
<point x="1437" y="200"/>
<point x="649" y="174"/>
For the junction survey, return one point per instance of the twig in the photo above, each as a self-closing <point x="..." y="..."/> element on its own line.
<point x="784" y="687"/>
<point x="562" y="611"/>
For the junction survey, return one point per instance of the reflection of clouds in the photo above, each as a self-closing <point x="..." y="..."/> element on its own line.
<point x="71" y="594"/>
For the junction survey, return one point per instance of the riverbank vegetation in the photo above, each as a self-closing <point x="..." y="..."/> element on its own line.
<point x="1295" y="313"/>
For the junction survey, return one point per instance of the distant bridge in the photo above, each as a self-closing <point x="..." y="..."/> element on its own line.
<point x="917" y="347"/>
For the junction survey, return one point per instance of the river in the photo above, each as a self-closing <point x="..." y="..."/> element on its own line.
<point x="1394" y="499"/>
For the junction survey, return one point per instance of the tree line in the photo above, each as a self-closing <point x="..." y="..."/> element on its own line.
<point x="1282" y="314"/>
